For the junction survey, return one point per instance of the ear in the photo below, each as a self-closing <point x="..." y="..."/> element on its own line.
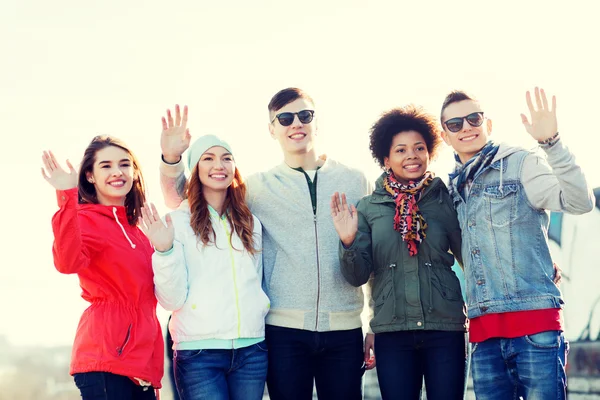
<point x="444" y="135"/>
<point x="386" y="162"/>
<point x="89" y="177"/>
<point x="272" y="130"/>
<point x="489" y="127"/>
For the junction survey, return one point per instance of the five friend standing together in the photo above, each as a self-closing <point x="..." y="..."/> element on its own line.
<point x="264" y="277"/>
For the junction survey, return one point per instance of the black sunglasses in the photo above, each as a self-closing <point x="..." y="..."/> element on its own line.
<point x="456" y="124"/>
<point x="287" y="118"/>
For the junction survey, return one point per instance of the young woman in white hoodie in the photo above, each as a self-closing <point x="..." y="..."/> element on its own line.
<point x="208" y="271"/>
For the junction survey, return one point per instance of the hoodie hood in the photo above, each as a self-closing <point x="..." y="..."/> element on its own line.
<point x="116" y="213"/>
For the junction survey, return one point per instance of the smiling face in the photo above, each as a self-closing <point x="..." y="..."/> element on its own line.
<point x="470" y="139"/>
<point x="112" y="175"/>
<point x="216" y="169"/>
<point x="296" y="138"/>
<point x="408" y="158"/>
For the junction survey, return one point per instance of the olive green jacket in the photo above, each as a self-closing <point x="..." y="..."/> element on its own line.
<point x="410" y="293"/>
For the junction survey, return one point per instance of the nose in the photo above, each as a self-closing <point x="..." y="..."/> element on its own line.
<point x="296" y="122"/>
<point x="117" y="172"/>
<point x="466" y="126"/>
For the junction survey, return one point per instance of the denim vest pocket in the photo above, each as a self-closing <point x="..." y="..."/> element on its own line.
<point x="501" y="204"/>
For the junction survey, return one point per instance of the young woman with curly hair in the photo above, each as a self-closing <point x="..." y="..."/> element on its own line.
<point x="407" y="234"/>
<point x="208" y="271"/>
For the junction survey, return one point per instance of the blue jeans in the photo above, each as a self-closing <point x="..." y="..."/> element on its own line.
<point x="107" y="386"/>
<point x="404" y="358"/>
<point x="221" y="374"/>
<point x="531" y="366"/>
<point x="297" y="357"/>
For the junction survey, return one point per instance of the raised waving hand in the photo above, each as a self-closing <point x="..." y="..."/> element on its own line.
<point x="345" y="218"/>
<point x="56" y="175"/>
<point x="543" y="123"/>
<point x="175" y="136"/>
<point x="161" y="236"/>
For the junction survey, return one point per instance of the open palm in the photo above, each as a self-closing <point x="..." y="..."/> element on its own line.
<point x="161" y="236"/>
<point x="345" y="218"/>
<point x="175" y="136"/>
<point x="55" y="175"/>
<point x="543" y="123"/>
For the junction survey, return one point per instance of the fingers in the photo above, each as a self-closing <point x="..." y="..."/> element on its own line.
<point x="169" y="118"/>
<point x="71" y="168"/>
<point x="155" y="212"/>
<point x="544" y="100"/>
<point x="344" y="202"/>
<point x="177" y="115"/>
<point x="538" y="99"/>
<point x="164" y="124"/>
<point x="529" y="102"/>
<point x="46" y="177"/>
<point x="553" y="104"/>
<point x="334" y="204"/>
<point x="185" y="116"/>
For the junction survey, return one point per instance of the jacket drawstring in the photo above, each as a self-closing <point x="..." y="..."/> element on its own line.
<point x="430" y="309"/>
<point x="392" y="267"/>
<point x="123" y="229"/>
<point x="501" y="188"/>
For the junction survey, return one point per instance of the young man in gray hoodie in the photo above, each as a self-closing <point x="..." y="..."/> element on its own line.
<point x="314" y="326"/>
<point x="501" y="194"/>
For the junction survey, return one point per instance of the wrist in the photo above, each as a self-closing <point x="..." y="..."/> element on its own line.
<point x="163" y="250"/>
<point x="171" y="159"/>
<point x="549" y="142"/>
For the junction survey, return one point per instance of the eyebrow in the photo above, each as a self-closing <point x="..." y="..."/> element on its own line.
<point x="108" y="161"/>
<point x="403" y="144"/>
<point x="212" y="154"/>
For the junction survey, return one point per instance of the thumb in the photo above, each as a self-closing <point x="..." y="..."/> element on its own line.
<point x="524" y="120"/>
<point x="169" y="221"/>
<point x="71" y="167"/>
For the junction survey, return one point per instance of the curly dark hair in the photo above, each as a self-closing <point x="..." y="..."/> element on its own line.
<point x="402" y="119"/>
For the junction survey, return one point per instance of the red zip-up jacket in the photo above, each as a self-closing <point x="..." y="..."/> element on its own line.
<point x="119" y="332"/>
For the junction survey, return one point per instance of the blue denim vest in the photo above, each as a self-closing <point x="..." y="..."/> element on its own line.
<point x="507" y="261"/>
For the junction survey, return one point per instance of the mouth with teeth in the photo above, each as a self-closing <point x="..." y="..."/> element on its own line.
<point x="297" y="136"/>
<point x="412" y="167"/>
<point x="117" y="184"/>
<point x="468" y="138"/>
<point x="218" y="177"/>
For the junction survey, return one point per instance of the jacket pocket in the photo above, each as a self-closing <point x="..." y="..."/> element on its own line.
<point x="384" y="296"/>
<point x="125" y="342"/>
<point x="501" y="204"/>
<point x="446" y="283"/>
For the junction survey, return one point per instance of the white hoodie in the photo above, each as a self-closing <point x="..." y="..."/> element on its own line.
<point x="215" y="291"/>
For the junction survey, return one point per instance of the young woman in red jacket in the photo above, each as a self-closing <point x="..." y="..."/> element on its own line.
<point x="118" y="349"/>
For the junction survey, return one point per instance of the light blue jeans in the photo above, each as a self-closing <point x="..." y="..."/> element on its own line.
<point x="237" y="374"/>
<point x="530" y="366"/>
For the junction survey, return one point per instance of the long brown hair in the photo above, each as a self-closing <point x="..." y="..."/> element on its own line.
<point x="237" y="211"/>
<point x="87" y="191"/>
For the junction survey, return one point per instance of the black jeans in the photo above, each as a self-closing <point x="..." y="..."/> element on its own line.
<point x="107" y="386"/>
<point x="404" y="358"/>
<point x="334" y="360"/>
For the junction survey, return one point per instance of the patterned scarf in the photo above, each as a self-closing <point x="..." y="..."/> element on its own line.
<point x="408" y="220"/>
<point x="464" y="173"/>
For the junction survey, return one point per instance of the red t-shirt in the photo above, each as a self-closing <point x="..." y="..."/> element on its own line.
<point x="514" y="324"/>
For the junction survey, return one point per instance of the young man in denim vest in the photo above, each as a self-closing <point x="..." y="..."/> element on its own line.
<point x="501" y="194"/>
<point x="313" y="327"/>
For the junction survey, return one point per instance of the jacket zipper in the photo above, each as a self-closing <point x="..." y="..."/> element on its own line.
<point x="237" y="297"/>
<point x="318" y="270"/>
<point x="120" y="349"/>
